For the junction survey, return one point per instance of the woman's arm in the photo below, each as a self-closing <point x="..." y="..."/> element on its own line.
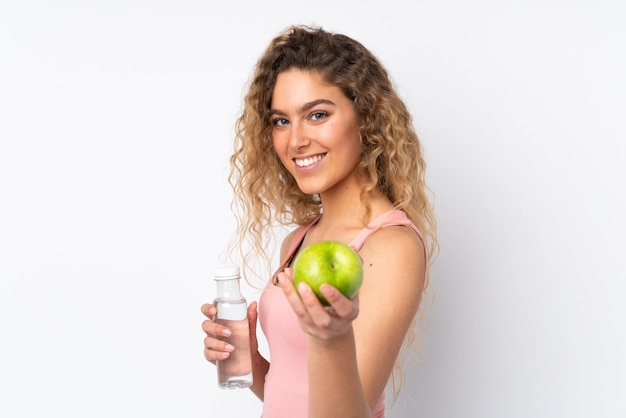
<point x="352" y="351"/>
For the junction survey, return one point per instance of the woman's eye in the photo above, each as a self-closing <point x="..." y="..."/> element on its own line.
<point x="280" y="122"/>
<point x="318" y="115"/>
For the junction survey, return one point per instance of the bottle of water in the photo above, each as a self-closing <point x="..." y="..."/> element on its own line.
<point x="232" y="311"/>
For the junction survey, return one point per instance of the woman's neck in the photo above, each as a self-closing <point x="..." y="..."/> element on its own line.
<point x="346" y="210"/>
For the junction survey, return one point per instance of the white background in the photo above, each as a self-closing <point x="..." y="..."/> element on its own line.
<point x="115" y="127"/>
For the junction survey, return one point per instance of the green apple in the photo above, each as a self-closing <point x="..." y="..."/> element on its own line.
<point x="331" y="262"/>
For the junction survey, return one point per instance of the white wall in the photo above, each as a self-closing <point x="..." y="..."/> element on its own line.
<point x="115" y="126"/>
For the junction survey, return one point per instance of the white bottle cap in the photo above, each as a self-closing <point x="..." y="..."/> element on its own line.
<point x="226" y="272"/>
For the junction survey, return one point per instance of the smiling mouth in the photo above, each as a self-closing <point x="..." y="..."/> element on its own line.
<point x="306" y="162"/>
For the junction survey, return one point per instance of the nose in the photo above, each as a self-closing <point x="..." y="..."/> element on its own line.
<point x="298" y="137"/>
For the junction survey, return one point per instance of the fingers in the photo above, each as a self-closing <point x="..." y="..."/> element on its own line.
<point x="252" y="320"/>
<point x="310" y="300"/>
<point x="215" y="348"/>
<point x="339" y="304"/>
<point x="335" y="317"/>
<point x="214" y="329"/>
<point x="285" y="282"/>
<point x="252" y="312"/>
<point x="320" y="318"/>
<point x="209" y="310"/>
<point x="210" y="327"/>
<point x="316" y="319"/>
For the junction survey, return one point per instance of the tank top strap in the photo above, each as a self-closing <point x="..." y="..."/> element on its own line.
<point x="295" y="244"/>
<point x="394" y="217"/>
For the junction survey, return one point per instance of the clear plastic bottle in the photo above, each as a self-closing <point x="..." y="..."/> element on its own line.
<point x="235" y="372"/>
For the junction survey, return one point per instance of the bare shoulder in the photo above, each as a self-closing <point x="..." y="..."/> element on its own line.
<point x="394" y="262"/>
<point x="394" y="244"/>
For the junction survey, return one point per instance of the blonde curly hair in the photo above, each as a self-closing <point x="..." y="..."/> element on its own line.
<point x="267" y="196"/>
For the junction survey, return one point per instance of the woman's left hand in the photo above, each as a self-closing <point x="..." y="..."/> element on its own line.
<point x="317" y="320"/>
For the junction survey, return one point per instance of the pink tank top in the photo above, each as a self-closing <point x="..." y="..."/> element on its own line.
<point x="286" y="383"/>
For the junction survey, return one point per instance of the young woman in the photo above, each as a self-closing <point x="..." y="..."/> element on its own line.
<point x="324" y="143"/>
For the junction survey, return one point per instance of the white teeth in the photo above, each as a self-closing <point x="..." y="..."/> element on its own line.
<point x="308" y="161"/>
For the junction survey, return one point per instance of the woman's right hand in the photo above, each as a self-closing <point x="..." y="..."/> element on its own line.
<point x="215" y="348"/>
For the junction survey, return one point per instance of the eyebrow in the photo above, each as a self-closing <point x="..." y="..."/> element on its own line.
<point x="305" y="107"/>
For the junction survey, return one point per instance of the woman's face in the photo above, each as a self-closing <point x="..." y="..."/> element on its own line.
<point x="315" y="131"/>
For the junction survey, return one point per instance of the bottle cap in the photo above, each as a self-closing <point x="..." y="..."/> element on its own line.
<point x="226" y="272"/>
